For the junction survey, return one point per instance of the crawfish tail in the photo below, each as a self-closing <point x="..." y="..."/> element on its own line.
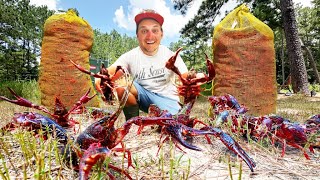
<point x="55" y="129"/>
<point x="38" y="121"/>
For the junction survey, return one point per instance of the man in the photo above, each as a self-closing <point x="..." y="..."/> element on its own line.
<point x="154" y="83"/>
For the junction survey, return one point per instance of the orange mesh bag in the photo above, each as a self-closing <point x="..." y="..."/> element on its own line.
<point x="244" y="60"/>
<point x="66" y="37"/>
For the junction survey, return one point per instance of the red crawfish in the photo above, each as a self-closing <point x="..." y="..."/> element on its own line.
<point x="103" y="130"/>
<point x="221" y="103"/>
<point x="92" y="155"/>
<point x="60" y="113"/>
<point x="313" y="125"/>
<point x="37" y="122"/>
<point x="293" y="134"/>
<point x="104" y="83"/>
<point x="104" y="133"/>
<point x="190" y="88"/>
<point x="174" y="126"/>
<point x="314" y="121"/>
<point x="274" y="127"/>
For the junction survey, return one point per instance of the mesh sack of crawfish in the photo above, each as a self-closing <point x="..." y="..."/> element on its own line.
<point x="244" y="61"/>
<point x="66" y="37"/>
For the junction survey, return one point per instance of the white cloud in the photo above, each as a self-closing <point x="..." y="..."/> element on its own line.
<point x="120" y="18"/>
<point x="51" y="4"/>
<point x="173" y="20"/>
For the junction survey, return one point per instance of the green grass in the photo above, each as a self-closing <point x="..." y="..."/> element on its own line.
<point x="27" y="89"/>
<point x="298" y="107"/>
<point x="24" y="153"/>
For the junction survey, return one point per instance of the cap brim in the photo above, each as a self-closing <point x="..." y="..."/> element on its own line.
<point x="149" y="15"/>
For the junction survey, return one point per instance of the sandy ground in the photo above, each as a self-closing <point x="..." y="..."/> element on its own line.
<point x="212" y="161"/>
<point x="215" y="161"/>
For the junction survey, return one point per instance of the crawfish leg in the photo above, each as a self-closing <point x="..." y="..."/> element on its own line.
<point x="10" y="126"/>
<point x="167" y="138"/>
<point x="298" y="147"/>
<point x="211" y="71"/>
<point x="111" y="177"/>
<point x="120" y="171"/>
<point x="125" y="151"/>
<point x="283" y="148"/>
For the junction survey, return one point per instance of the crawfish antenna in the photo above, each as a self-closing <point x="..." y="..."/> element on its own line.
<point x="126" y="92"/>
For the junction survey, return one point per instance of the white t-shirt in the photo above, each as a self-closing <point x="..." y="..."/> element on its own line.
<point x="150" y="71"/>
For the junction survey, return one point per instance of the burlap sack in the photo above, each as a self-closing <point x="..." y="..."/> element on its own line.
<point x="66" y="37"/>
<point x="244" y="60"/>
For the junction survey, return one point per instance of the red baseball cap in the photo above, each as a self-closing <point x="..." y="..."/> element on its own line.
<point x="149" y="13"/>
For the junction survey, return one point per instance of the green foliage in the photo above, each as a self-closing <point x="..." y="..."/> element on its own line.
<point x="206" y="89"/>
<point x="27" y="89"/>
<point x="268" y="11"/>
<point x="194" y="55"/>
<point x="21" y="30"/>
<point x="200" y="28"/>
<point x="309" y="32"/>
<point x="111" y="46"/>
<point x="21" y="35"/>
<point x="315" y="87"/>
<point x="197" y="33"/>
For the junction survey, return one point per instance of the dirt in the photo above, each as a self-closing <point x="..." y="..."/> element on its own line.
<point x="288" y="95"/>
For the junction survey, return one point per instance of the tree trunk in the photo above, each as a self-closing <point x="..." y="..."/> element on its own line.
<point x="282" y="58"/>
<point x="312" y="62"/>
<point x="298" y="67"/>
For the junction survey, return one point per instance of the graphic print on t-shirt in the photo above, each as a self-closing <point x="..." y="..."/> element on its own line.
<point x="152" y="73"/>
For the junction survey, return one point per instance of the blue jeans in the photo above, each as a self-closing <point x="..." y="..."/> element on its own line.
<point x="146" y="98"/>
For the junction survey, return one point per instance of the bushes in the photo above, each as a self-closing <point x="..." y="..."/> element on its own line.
<point x="27" y="89"/>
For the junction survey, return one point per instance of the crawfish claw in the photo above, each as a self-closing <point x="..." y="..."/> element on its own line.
<point x="176" y="131"/>
<point x="231" y="144"/>
<point x="23" y="102"/>
<point x="19" y="100"/>
<point x="210" y="66"/>
<point x="170" y="63"/>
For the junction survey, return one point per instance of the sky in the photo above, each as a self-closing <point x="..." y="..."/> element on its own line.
<point x="107" y="15"/>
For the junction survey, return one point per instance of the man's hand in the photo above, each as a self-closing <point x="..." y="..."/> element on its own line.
<point x="97" y="83"/>
<point x="200" y="75"/>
